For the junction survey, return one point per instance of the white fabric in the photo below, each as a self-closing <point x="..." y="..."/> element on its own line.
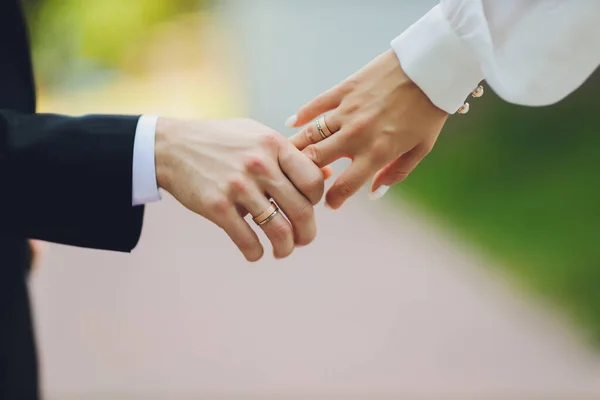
<point x="144" y="187"/>
<point x="531" y="52"/>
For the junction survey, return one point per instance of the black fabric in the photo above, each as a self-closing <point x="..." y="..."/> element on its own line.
<point x="18" y="364"/>
<point x="62" y="179"/>
<point x="68" y="179"/>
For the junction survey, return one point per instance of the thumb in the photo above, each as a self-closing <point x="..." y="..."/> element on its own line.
<point x="321" y="104"/>
<point x="396" y="171"/>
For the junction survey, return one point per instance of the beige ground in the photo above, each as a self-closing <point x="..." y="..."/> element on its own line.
<point x="380" y="306"/>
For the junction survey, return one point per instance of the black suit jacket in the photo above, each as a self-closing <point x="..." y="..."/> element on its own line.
<point x="62" y="179"/>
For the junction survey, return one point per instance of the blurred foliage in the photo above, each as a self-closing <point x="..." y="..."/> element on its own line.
<point x="523" y="184"/>
<point x="69" y="34"/>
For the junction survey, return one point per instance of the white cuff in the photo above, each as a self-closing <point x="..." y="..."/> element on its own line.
<point x="144" y="187"/>
<point x="443" y="66"/>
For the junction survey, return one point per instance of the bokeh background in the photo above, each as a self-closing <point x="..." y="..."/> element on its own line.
<point x="478" y="276"/>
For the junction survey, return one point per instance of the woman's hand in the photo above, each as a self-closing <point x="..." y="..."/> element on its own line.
<point x="225" y="169"/>
<point x="380" y="119"/>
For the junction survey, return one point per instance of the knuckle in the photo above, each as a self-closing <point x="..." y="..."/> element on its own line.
<point x="316" y="182"/>
<point x="316" y="187"/>
<point x="246" y="244"/>
<point x="238" y="186"/>
<point x="218" y="205"/>
<point x="350" y="107"/>
<point x="314" y="153"/>
<point x="270" y="140"/>
<point x="349" y="85"/>
<point x="363" y="123"/>
<point x="282" y="232"/>
<point x="310" y="134"/>
<point x="257" y="164"/>
<point x="305" y="213"/>
<point x="321" y="99"/>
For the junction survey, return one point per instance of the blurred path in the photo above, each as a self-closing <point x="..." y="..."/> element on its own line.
<point x="378" y="307"/>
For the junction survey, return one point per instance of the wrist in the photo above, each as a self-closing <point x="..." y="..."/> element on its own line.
<point x="163" y="151"/>
<point x="439" y="62"/>
<point x="399" y="79"/>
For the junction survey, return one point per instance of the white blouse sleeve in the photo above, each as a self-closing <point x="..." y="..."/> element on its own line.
<point x="531" y="52"/>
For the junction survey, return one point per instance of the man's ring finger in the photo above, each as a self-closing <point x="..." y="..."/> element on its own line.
<point x="266" y="215"/>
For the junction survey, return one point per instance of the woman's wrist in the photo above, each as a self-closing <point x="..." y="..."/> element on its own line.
<point x="399" y="79"/>
<point x="442" y="65"/>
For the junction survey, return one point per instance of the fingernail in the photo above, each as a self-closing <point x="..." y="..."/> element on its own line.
<point x="327" y="206"/>
<point x="291" y="121"/>
<point x="379" y="193"/>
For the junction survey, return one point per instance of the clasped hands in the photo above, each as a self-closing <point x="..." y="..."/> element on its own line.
<point x="226" y="169"/>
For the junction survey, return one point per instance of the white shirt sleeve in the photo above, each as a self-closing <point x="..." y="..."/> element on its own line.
<point x="531" y="52"/>
<point x="144" y="186"/>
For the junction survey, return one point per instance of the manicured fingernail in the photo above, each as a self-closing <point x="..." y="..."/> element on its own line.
<point x="379" y="193"/>
<point x="291" y="121"/>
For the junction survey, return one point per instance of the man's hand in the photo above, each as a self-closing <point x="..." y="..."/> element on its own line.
<point x="380" y="119"/>
<point x="225" y="169"/>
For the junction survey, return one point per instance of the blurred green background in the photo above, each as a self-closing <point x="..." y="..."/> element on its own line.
<point x="519" y="183"/>
<point x="101" y="33"/>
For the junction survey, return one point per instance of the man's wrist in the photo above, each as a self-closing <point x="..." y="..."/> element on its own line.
<point x="165" y="129"/>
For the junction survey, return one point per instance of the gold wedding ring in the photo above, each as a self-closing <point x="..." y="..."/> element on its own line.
<point x="266" y="215"/>
<point x="322" y="127"/>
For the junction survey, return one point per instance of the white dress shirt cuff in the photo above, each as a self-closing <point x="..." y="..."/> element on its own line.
<point x="144" y="187"/>
<point x="443" y="66"/>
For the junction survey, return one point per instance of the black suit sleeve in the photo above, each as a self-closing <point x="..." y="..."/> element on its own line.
<point x="68" y="179"/>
